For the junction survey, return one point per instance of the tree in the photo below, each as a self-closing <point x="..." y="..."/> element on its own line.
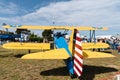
<point x="47" y="35"/>
<point x="18" y="31"/>
<point x="34" y="37"/>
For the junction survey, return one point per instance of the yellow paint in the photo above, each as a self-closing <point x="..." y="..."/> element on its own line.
<point x="94" y="45"/>
<point x="94" y="54"/>
<point x="18" y="45"/>
<point x="52" y="54"/>
<point x="57" y="27"/>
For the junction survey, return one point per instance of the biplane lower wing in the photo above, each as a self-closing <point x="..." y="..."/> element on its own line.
<point x="94" y="54"/>
<point x="51" y="54"/>
<point x="18" y="45"/>
<point x="94" y="45"/>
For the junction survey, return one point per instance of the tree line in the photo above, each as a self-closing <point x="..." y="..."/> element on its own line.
<point x="46" y="35"/>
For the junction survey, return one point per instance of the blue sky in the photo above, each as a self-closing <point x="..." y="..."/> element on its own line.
<point x="96" y="13"/>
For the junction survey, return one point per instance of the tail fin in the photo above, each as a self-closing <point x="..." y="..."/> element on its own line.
<point x="78" y="56"/>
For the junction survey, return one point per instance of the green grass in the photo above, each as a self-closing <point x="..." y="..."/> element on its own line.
<point x="14" y="68"/>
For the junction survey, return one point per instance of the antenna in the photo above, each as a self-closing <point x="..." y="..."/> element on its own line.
<point x="53" y="23"/>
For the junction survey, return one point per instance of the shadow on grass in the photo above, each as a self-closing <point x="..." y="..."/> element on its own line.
<point x="2" y="56"/>
<point x="19" y="55"/>
<point x="106" y="51"/>
<point x="89" y="72"/>
<point x="61" y="71"/>
<point x="5" y="55"/>
<point x="12" y="55"/>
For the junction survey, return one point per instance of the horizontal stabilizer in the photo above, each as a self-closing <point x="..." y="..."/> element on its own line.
<point x="94" y="45"/>
<point x="52" y="54"/>
<point x="94" y="54"/>
<point x="18" y="45"/>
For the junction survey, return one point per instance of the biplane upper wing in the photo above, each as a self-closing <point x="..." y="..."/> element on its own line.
<point x="55" y="27"/>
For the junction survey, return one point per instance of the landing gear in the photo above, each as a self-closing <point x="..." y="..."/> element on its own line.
<point x="72" y="76"/>
<point x="29" y="51"/>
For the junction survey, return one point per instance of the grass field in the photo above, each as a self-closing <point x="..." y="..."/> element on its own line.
<point x="14" y="68"/>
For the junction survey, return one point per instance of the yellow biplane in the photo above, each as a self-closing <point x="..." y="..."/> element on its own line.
<point x="62" y="48"/>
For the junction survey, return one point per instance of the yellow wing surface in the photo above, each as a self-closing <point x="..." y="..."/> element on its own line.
<point x="94" y="45"/>
<point x="55" y="27"/>
<point x="52" y="54"/>
<point x="94" y="54"/>
<point x="18" y="45"/>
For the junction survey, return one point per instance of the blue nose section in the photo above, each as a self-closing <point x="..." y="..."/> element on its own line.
<point x="62" y="43"/>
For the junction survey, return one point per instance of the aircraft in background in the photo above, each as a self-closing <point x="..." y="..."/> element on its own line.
<point x="9" y="36"/>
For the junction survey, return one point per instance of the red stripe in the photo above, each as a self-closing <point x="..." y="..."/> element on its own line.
<point x="78" y="38"/>
<point x="78" y="62"/>
<point x="81" y="56"/>
<point x="78" y="69"/>
<point x="75" y="72"/>
<point x="79" y="47"/>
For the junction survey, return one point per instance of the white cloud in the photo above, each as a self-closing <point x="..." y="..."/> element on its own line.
<point x="10" y="8"/>
<point x="75" y="12"/>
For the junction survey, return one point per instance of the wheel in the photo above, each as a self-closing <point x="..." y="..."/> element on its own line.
<point x="72" y="76"/>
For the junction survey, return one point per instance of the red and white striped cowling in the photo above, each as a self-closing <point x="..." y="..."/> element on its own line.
<point x="78" y="56"/>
